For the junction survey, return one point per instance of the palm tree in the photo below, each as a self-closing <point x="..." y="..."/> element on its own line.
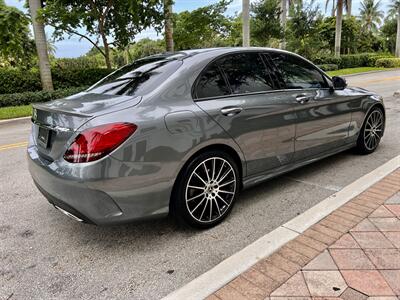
<point x="371" y="15"/>
<point x="246" y="22"/>
<point x="339" y="20"/>
<point x="347" y="4"/>
<point x="169" y="40"/>
<point x="284" y="11"/>
<point x="41" y="45"/>
<point x="348" y="7"/>
<point x="395" y="11"/>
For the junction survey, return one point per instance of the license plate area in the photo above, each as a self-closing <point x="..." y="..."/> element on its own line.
<point x="43" y="137"/>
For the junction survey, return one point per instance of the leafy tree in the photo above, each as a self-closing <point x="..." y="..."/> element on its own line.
<point x="203" y="27"/>
<point x="371" y="15"/>
<point x="303" y="29"/>
<point x="94" y="51"/>
<point x="370" y="42"/>
<point x="234" y="37"/>
<point x="103" y="19"/>
<point x="388" y="33"/>
<point x="16" y="45"/>
<point x="145" y="47"/>
<point x="351" y="29"/>
<point x="266" y="25"/>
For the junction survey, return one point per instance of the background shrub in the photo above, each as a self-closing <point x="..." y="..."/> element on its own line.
<point x="388" y="62"/>
<point x="14" y="80"/>
<point x="328" y="67"/>
<point x="34" y="97"/>
<point x="352" y="60"/>
<point x="65" y="78"/>
<point x="327" y="60"/>
<point x="81" y="62"/>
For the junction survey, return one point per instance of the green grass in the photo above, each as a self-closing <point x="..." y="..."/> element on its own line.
<point x="15" y="111"/>
<point x="354" y="70"/>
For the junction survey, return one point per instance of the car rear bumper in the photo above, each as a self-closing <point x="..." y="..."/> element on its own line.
<point x="90" y="201"/>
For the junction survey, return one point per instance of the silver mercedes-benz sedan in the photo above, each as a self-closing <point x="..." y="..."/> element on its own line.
<point x="184" y="133"/>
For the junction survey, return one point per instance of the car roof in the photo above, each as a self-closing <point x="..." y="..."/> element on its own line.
<point x="209" y="52"/>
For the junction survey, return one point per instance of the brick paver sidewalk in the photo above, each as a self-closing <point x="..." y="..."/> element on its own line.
<point x="354" y="253"/>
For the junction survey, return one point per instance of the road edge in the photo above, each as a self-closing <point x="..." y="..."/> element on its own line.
<point x="14" y="120"/>
<point x="370" y="72"/>
<point x="212" y="280"/>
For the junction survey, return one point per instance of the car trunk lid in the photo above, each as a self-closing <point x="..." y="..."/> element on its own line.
<point x="55" y="122"/>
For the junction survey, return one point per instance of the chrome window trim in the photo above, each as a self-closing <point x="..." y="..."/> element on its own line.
<point x="259" y="93"/>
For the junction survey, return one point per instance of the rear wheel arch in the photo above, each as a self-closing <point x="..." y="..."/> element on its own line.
<point x="214" y="147"/>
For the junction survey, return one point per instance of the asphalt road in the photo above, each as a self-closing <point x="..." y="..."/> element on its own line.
<point x="44" y="254"/>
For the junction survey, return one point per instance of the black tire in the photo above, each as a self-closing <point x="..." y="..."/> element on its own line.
<point x="371" y="131"/>
<point x="193" y="212"/>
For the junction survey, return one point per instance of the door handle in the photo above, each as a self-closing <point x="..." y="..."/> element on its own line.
<point x="302" y="98"/>
<point x="231" y="111"/>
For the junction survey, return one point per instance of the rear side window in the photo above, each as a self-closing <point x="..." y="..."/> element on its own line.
<point x="246" y="73"/>
<point x="138" y="78"/>
<point x="297" y="73"/>
<point x="212" y="83"/>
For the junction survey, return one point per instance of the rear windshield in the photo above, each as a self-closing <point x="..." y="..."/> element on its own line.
<point x="137" y="78"/>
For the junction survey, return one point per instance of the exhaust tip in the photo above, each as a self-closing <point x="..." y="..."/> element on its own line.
<point x="68" y="214"/>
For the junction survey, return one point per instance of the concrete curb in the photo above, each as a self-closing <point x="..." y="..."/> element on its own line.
<point x="14" y="120"/>
<point x="209" y="282"/>
<point x="370" y="72"/>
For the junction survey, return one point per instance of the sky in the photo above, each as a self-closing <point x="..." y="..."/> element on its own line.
<point x="74" y="47"/>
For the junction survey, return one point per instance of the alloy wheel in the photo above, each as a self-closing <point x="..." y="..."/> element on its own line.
<point x="210" y="189"/>
<point x="373" y="130"/>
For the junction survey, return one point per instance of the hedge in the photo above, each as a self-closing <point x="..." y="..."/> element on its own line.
<point x="352" y="60"/>
<point x="34" y="97"/>
<point x="388" y="62"/>
<point x="19" y="81"/>
<point x="328" y="67"/>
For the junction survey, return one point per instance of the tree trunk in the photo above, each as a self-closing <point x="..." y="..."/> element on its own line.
<point x="333" y="12"/>
<point x="338" y="33"/>
<point x="397" y="52"/>
<point x="282" y="44"/>
<point x="41" y="46"/>
<point x="349" y="7"/>
<point x="169" y="40"/>
<point x="246" y="22"/>
<point x="106" y="51"/>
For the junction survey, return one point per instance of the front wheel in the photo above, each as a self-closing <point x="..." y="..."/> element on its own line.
<point x="206" y="190"/>
<point x="371" y="132"/>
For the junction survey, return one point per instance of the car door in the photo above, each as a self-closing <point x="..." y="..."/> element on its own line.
<point x="237" y="91"/>
<point x="323" y="114"/>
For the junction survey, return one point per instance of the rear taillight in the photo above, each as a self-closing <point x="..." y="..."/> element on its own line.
<point x="95" y="143"/>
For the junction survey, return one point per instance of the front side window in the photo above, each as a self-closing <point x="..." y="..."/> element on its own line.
<point x="297" y="73"/>
<point x="246" y="73"/>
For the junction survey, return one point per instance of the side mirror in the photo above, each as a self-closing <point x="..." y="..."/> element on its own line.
<point x="339" y="83"/>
